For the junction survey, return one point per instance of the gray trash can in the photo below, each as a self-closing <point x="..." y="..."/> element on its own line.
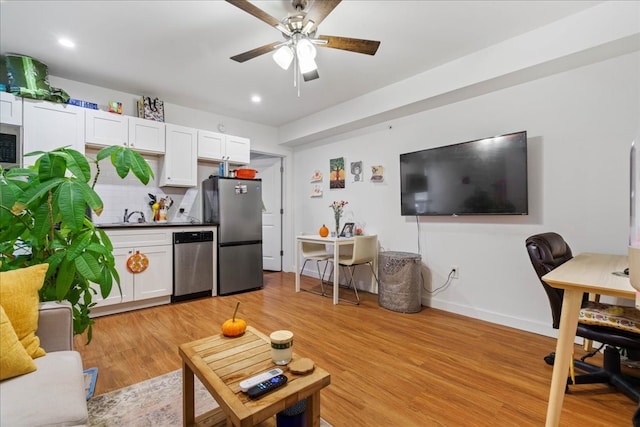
<point x="400" y="281"/>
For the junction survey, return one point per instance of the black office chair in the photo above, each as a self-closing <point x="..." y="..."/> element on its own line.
<point x="548" y="251"/>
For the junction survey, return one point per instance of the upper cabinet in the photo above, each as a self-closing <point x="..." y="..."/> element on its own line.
<point x="180" y="162"/>
<point x="47" y="126"/>
<point x="10" y="109"/>
<point x="238" y="149"/>
<point x="147" y="136"/>
<point x="103" y="128"/>
<point x="218" y="146"/>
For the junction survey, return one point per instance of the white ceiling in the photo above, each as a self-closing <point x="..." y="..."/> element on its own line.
<point x="179" y="50"/>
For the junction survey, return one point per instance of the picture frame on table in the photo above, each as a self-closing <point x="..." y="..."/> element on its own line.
<point x="347" y="230"/>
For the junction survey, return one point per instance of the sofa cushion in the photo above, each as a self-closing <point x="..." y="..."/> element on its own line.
<point x="52" y="395"/>
<point x="19" y="297"/>
<point x="14" y="359"/>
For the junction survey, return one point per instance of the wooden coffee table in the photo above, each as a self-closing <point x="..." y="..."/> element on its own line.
<point x="221" y="363"/>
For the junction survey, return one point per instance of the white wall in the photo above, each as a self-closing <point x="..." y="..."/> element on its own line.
<point x="580" y="125"/>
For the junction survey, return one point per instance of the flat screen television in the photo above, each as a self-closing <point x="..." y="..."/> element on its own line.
<point x="483" y="177"/>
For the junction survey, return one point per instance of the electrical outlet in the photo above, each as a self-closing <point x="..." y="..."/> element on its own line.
<point x="455" y="272"/>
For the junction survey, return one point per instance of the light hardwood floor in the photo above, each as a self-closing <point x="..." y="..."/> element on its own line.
<point x="430" y="368"/>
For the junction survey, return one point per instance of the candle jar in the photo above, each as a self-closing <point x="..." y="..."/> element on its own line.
<point x="281" y="343"/>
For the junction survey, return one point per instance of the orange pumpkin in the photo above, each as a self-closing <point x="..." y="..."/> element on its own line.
<point x="324" y="231"/>
<point x="234" y="327"/>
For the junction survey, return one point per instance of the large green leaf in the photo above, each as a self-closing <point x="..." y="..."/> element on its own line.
<point x="78" y="165"/>
<point x="65" y="278"/>
<point x="71" y="203"/>
<point x="140" y="168"/>
<point x="91" y="198"/>
<point x="122" y="162"/>
<point x="35" y="194"/>
<point x="9" y="193"/>
<point x="108" y="152"/>
<point x="88" y="266"/>
<point x="106" y="242"/>
<point x="41" y="222"/>
<point x="51" y="165"/>
<point x="79" y="245"/>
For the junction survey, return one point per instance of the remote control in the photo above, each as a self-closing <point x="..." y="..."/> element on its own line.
<point x="266" y="386"/>
<point x="257" y="379"/>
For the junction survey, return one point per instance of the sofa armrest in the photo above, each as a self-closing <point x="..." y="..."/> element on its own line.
<point x="55" y="326"/>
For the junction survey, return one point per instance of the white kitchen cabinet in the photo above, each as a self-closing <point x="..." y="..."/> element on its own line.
<point x="103" y="129"/>
<point x="218" y="147"/>
<point x="126" y="282"/>
<point x="152" y="284"/>
<point x="180" y="162"/>
<point x="146" y="136"/>
<point x="47" y="126"/>
<point x="238" y="149"/>
<point x="10" y="109"/>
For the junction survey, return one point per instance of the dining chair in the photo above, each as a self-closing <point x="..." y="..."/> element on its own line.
<point x="365" y="251"/>
<point x="315" y="252"/>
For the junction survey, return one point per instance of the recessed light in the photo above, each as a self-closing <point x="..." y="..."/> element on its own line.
<point x="66" y="42"/>
<point x="256" y="99"/>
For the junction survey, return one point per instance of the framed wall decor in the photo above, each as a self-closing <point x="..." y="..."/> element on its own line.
<point x="347" y="229"/>
<point x="336" y="173"/>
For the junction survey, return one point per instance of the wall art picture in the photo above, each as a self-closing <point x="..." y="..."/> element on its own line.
<point x="377" y="173"/>
<point x="316" y="191"/>
<point x="356" y="171"/>
<point x="317" y="176"/>
<point x="336" y="173"/>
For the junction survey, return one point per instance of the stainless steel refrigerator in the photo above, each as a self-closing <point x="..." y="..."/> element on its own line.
<point x="235" y="206"/>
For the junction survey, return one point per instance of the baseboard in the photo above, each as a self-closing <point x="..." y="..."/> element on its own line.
<point x="522" y="324"/>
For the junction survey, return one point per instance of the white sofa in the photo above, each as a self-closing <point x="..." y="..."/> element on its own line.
<point x="53" y="395"/>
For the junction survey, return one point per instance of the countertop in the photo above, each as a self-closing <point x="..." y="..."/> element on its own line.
<point x="121" y="225"/>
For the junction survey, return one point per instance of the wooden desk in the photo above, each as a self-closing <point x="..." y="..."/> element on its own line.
<point x="221" y="363"/>
<point x="586" y="272"/>
<point x="336" y="242"/>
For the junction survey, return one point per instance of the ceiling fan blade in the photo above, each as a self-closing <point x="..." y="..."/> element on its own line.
<point x="368" y="47"/>
<point x="255" y="11"/>
<point x="245" y="56"/>
<point x="319" y="10"/>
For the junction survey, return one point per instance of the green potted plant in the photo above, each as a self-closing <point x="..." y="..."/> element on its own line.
<point x="43" y="219"/>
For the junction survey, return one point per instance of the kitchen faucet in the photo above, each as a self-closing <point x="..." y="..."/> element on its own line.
<point x="126" y="216"/>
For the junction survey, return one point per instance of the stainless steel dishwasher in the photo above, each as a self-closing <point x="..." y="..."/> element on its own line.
<point x="193" y="265"/>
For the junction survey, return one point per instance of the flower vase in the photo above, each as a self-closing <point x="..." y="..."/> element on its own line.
<point x="337" y="225"/>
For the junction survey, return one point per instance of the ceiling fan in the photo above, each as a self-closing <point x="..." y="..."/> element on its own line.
<point x="299" y="31"/>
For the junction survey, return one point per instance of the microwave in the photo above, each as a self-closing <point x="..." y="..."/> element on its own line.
<point x="10" y="146"/>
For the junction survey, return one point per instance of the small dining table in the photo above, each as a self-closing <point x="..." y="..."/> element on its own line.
<point x="336" y="242"/>
<point x="586" y="272"/>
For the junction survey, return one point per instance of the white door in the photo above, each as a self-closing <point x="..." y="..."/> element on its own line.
<point x="269" y="171"/>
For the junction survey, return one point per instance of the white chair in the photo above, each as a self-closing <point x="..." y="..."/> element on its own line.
<point x="365" y="251"/>
<point x="315" y="252"/>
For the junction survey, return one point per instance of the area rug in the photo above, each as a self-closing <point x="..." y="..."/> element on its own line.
<point x="155" y="402"/>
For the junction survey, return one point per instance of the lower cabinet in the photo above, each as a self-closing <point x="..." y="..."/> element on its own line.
<point x="144" y="260"/>
<point x="155" y="281"/>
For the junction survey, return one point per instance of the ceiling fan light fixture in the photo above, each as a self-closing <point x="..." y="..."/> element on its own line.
<point x="307" y="27"/>
<point x="307" y="65"/>
<point x="283" y="57"/>
<point x="305" y="49"/>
